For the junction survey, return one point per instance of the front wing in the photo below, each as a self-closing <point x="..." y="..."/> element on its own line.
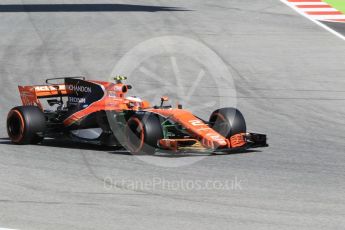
<point x="247" y="141"/>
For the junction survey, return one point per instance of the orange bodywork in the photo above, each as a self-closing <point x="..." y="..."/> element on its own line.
<point x="201" y="131"/>
<point x="237" y="140"/>
<point x="113" y="100"/>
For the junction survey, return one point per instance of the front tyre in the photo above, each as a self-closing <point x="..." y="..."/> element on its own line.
<point x="26" y="125"/>
<point x="143" y="131"/>
<point x="228" y="122"/>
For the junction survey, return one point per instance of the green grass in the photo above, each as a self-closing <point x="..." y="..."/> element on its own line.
<point x="337" y="4"/>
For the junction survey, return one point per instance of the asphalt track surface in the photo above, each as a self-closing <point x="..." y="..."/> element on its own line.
<point x="339" y="27"/>
<point x="289" y="76"/>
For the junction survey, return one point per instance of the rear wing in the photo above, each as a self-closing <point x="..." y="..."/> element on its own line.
<point x="49" y="80"/>
<point x="30" y="95"/>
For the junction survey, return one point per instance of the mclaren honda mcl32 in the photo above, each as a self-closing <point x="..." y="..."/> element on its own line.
<point x="100" y="112"/>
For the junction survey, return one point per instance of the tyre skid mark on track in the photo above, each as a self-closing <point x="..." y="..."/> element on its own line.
<point x="47" y="203"/>
<point x="151" y="193"/>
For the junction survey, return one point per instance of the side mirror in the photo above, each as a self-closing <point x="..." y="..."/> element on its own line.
<point x="163" y="99"/>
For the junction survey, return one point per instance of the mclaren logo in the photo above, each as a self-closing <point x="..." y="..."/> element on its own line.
<point x="80" y="88"/>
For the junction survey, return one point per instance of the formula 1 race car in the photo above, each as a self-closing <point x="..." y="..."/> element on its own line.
<point x="100" y="112"/>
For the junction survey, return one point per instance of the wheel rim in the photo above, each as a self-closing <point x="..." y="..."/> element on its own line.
<point x="135" y="135"/>
<point x="220" y="124"/>
<point x="15" y="125"/>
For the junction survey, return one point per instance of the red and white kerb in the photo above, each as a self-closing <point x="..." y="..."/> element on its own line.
<point x="318" y="10"/>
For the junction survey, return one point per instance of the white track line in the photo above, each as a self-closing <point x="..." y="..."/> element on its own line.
<point x="329" y="17"/>
<point x="312" y="19"/>
<point x="310" y="3"/>
<point x="319" y="9"/>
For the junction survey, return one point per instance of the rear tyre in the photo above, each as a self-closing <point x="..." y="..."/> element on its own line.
<point x="143" y="131"/>
<point x="228" y="122"/>
<point x="26" y="125"/>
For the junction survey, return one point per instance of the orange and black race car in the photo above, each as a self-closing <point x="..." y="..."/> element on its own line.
<point x="100" y="112"/>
